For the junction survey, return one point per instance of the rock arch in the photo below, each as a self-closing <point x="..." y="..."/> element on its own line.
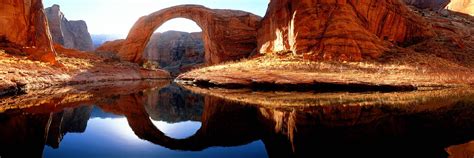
<point x="227" y="34"/>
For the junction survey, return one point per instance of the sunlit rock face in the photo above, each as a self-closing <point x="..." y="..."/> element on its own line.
<point x="464" y="6"/>
<point x="70" y="34"/>
<point x="175" y="51"/>
<point x="339" y="29"/>
<point x="24" y="28"/>
<point x="431" y="4"/>
<point x="227" y="34"/>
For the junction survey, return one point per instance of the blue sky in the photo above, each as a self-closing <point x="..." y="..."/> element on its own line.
<point x="118" y="16"/>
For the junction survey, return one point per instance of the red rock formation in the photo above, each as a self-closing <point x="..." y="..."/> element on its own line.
<point x="338" y="29"/>
<point x="70" y="34"/>
<point x="24" y="26"/>
<point x="228" y="34"/>
<point x="464" y="6"/>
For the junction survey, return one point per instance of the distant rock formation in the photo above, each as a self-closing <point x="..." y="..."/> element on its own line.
<point x="99" y="39"/>
<point x="70" y="34"/>
<point x="347" y="30"/>
<point x="23" y="28"/>
<point x="463" y="6"/>
<point x="228" y="34"/>
<point x="110" y="46"/>
<point x="175" y="51"/>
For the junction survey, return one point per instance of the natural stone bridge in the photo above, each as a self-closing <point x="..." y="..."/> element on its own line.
<point x="227" y="34"/>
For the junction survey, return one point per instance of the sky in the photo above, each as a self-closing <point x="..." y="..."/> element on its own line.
<point x="118" y="16"/>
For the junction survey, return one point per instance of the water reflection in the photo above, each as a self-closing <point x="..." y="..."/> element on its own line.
<point x="171" y="121"/>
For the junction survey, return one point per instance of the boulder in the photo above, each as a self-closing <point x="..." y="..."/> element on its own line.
<point x="24" y="26"/>
<point x="70" y="34"/>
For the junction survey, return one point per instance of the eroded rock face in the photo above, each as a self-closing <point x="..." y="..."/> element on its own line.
<point x="431" y="4"/>
<point x="24" y="27"/>
<point x="70" y="34"/>
<point x="227" y="34"/>
<point x="339" y="29"/>
<point x="175" y="51"/>
<point x="464" y="6"/>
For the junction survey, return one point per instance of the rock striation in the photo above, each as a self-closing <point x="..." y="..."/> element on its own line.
<point x="348" y="30"/>
<point x="227" y="34"/>
<point x="24" y="29"/>
<point x="175" y="51"/>
<point x="70" y="34"/>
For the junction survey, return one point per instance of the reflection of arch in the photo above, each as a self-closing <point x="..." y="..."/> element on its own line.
<point x="227" y="34"/>
<point x="241" y="129"/>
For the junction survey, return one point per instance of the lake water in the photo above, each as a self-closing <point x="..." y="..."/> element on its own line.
<point x="167" y="120"/>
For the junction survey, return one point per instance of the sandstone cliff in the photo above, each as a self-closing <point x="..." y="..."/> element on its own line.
<point x="339" y="30"/>
<point x="175" y="51"/>
<point x="70" y="34"/>
<point x="24" y="29"/>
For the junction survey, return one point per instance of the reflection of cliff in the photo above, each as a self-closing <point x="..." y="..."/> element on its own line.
<point x="300" y="132"/>
<point x="33" y="131"/>
<point x="174" y="104"/>
<point x="67" y="121"/>
<point x="369" y="131"/>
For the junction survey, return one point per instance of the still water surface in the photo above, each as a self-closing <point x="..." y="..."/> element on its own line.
<point x="171" y="121"/>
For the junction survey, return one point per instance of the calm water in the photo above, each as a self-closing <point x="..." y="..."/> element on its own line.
<point x="170" y="121"/>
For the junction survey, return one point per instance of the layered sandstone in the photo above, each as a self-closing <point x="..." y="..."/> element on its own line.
<point x="70" y="34"/>
<point x="339" y="30"/>
<point x="227" y="34"/>
<point x="175" y="51"/>
<point x="24" y="29"/>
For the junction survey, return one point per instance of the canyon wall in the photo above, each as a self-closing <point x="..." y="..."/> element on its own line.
<point x="339" y="29"/>
<point x="175" y="51"/>
<point x="70" y="34"/>
<point x="24" y="29"/>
